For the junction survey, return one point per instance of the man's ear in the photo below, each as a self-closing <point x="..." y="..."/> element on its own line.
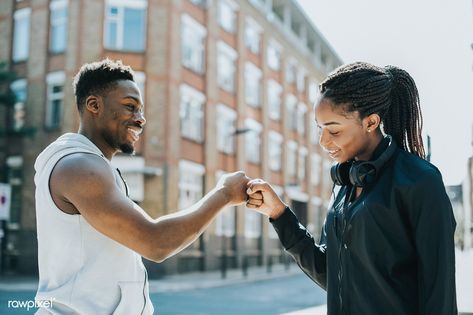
<point x="93" y="104"/>
<point x="371" y="122"/>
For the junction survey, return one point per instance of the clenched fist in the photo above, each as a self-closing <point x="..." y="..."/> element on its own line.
<point x="264" y="199"/>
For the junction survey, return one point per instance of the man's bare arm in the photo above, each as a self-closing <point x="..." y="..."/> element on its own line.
<point x="86" y="181"/>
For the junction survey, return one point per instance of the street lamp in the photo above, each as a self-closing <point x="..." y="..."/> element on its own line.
<point x="223" y="263"/>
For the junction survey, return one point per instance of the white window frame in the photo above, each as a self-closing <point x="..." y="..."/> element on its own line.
<point x="316" y="159"/>
<point x="53" y="79"/>
<point x="275" y="143"/>
<point x="19" y="88"/>
<point x="291" y="70"/>
<point x="253" y="141"/>
<point x="253" y="222"/>
<point x="313" y="91"/>
<point x="301" y="118"/>
<point x="291" y="105"/>
<point x="291" y="158"/>
<point x="193" y="36"/>
<point x="140" y="80"/>
<point x="226" y="66"/>
<point x="274" y="99"/>
<point x="56" y="23"/>
<point x="119" y="20"/>
<point x="225" y="221"/>
<point x="253" y="33"/>
<point x="274" y="52"/>
<point x="227" y="15"/>
<point x="192" y="127"/>
<point x="302" y="163"/>
<point x="195" y="186"/>
<point x="21" y="41"/>
<point x="300" y="83"/>
<point x="226" y="126"/>
<point x="253" y="76"/>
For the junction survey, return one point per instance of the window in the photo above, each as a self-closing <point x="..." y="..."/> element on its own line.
<point x="226" y="118"/>
<point x="252" y="35"/>
<point x="55" y="99"/>
<point x="301" y="174"/>
<point x="315" y="169"/>
<point x="140" y="80"/>
<point x="227" y="15"/>
<point x="301" y="115"/>
<point x="253" y="141"/>
<point x="252" y="223"/>
<point x="274" y="55"/>
<point x="58" y="26"/>
<point x="191" y="179"/>
<point x="291" y="103"/>
<point x="275" y="150"/>
<point x="300" y="80"/>
<point x="274" y="99"/>
<point x="226" y="57"/>
<point x="19" y="89"/>
<point x="252" y="84"/>
<point x="191" y="113"/>
<point x="21" y="34"/>
<point x="313" y="92"/>
<point x="192" y="44"/>
<point x="291" y="70"/>
<point x="291" y="158"/>
<point x="225" y="220"/>
<point x="125" y="25"/>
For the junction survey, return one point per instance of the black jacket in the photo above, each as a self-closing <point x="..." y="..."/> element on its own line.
<point x="390" y="251"/>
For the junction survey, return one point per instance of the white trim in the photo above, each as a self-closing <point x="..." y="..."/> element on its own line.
<point x="276" y="136"/>
<point x="316" y="201"/>
<point x="135" y="4"/>
<point x="227" y="50"/>
<point x="292" y="144"/>
<point x="303" y="151"/>
<point x="22" y="13"/>
<point x="192" y="167"/>
<point x="192" y="92"/>
<point x="291" y="101"/>
<point x="275" y="44"/>
<point x="294" y="193"/>
<point x="57" y="4"/>
<point x="253" y="125"/>
<point x="19" y="84"/>
<point x="232" y="4"/>
<point x="250" y="22"/>
<point x="56" y="77"/>
<point x="226" y="111"/>
<point x="253" y="70"/>
<point x="196" y="26"/>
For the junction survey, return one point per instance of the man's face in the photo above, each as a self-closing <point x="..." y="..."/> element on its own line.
<point x="122" y="119"/>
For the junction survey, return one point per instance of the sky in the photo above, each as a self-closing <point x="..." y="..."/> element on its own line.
<point x="430" y="39"/>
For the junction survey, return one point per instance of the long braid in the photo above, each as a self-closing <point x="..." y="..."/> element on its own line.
<point x="389" y="92"/>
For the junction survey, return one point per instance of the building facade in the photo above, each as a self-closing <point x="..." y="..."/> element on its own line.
<point x="227" y="85"/>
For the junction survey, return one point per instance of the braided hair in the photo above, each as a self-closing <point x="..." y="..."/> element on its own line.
<point x="389" y="92"/>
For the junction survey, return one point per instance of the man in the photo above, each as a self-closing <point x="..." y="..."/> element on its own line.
<point x="90" y="235"/>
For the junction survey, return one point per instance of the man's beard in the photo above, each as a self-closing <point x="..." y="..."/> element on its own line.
<point x="127" y="148"/>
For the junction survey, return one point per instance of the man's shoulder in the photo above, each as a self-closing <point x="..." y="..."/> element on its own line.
<point x="80" y="164"/>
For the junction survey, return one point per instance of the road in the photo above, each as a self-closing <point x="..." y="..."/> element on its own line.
<point x="268" y="297"/>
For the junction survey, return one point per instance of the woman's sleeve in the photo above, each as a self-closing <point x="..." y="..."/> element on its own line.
<point x="298" y="242"/>
<point x="434" y="228"/>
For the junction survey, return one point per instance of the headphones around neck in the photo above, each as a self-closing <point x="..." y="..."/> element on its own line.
<point x="361" y="173"/>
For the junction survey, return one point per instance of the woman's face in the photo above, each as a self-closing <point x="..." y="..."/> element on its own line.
<point x="344" y="136"/>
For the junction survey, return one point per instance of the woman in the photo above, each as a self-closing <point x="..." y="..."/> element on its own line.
<point x="387" y="242"/>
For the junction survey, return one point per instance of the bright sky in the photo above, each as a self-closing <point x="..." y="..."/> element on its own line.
<point x="428" y="38"/>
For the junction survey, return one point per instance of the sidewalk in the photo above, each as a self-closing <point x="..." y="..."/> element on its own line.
<point x="209" y="279"/>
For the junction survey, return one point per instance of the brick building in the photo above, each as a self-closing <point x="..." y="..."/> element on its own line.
<point x="227" y="85"/>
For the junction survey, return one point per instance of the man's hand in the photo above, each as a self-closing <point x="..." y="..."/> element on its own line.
<point x="264" y="199"/>
<point x="233" y="186"/>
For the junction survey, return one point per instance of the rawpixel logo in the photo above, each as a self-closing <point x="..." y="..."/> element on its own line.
<point x="30" y="304"/>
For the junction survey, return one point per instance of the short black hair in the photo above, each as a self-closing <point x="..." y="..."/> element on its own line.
<point x="97" y="78"/>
